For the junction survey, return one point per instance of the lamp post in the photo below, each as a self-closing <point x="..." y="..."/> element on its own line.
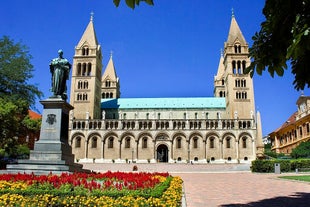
<point x="132" y="150"/>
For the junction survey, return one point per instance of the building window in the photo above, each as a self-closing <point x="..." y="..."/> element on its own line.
<point x="94" y="142"/>
<point x="79" y="72"/>
<point x="147" y="116"/>
<point x="211" y="142"/>
<point x="88" y="69"/>
<point x="179" y="143"/>
<point x="196" y="115"/>
<point x="85" y="51"/>
<point x="127" y="142"/>
<point x="108" y="84"/>
<point x="78" y="142"/>
<point x="228" y="142"/>
<point x="300" y="131"/>
<point x="244" y="142"/>
<point x="308" y="128"/>
<point x="184" y="115"/>
<point x="195" y="142"/>
<point x="144" y="142"/>
<point x="111" y="142"/>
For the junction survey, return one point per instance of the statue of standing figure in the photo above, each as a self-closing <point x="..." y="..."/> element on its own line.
<point x="60" y="69"/>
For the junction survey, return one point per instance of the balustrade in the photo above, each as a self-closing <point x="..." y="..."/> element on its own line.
<point x="173" y="124"/>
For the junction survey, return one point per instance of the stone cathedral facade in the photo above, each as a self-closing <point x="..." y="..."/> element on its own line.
<point x="106" y="128"/>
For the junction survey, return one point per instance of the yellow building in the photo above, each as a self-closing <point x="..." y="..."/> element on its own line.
<point x="296" y="128"/>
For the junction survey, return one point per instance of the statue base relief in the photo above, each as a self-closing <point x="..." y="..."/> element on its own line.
<point x="52" y="153"/>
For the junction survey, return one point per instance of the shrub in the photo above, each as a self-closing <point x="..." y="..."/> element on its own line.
<point x="267" y="166"/>
<point x="302" y="150"/>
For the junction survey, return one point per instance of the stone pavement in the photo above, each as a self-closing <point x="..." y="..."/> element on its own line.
<point x="226" y="185"/>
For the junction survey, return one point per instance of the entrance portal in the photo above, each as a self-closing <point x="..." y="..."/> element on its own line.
<point x="162" y="153"/>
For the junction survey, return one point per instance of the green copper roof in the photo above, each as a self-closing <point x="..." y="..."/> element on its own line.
<point x="163" y="103"/>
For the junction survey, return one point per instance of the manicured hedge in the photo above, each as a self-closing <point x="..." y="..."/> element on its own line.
<point x="267" y="166"/>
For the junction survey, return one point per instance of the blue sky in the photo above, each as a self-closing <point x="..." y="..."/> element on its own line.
<point x="173" y="47"/>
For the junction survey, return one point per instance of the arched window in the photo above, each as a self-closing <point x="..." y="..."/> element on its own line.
<point x="234" y="70"/>
<point x="79" y="84"/>
<point x="85" y="85"/>
<point x="223" y="82"/>
<point x="212" y="142"/>
<point x="221" y="93"/>
<point x="158" y="116"/>
<point x="179" y="142"/>
<point x="85" y="97"/>
<point x="94" y="142"/>
<point x="108" y="83"/>
<point x="78" y="142"/>
<point x="195" y="142"/>
<point x="111" y="142"/>
<point x="147" y="115"/>
<point x="244" y="142"/>
<point x="103" y="95"/>
<point x="237" y="48"/>
<point x="84" y="69"/>
<point x="127" y="142"/>
<point x="85" y="51"/>
<point x="228" y="142"/>
<point x="243" y="65"/>
<point x="89" y="69"/>
<point x="111" y="95"/>
<point x="144" y="142"/>
<point x="79" y="97"/>
<point x="239" y="67"/>
<point x="184" y="115"/>
<point x="78" y="71"/>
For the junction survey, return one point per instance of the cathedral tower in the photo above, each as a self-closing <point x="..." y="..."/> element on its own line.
<point x="110" y="87"/>
<point x="86" y="76"/>
<point x="231" y="82"/>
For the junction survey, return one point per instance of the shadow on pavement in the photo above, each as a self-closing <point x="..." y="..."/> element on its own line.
<point x="296" y="200"/>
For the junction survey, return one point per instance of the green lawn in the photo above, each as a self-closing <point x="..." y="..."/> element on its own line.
<point x="305" y="178"/>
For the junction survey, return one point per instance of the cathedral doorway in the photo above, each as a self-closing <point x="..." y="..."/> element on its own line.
<point x="162" y="153"/>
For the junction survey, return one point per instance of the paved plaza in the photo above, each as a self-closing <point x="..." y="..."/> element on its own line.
<point x="226" y="185"/>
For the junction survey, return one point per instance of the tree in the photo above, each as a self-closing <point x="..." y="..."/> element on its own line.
<point x="15" y="72"/>
<point x="133" y="3"/>
<point x="16" y="94"/>
<point x="302" y="150"/>
<point x="284" y="37"/>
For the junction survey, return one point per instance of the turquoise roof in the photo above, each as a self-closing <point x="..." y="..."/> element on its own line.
<point x="163" y="103"/>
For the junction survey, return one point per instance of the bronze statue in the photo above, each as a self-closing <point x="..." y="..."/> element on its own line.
<point x="60" y="68"/>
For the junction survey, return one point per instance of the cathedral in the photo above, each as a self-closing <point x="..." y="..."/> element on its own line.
<point x="106" y="128"/>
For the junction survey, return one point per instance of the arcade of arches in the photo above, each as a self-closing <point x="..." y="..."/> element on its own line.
<point x="162" y="148"/>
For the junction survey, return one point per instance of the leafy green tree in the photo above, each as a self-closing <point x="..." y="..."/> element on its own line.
<point x="15" y="72"/>
<point x="284" y="37"/>
<point x="16" y="94"/>
<point x="133" y="3"/>
<point x="302" y="150"/>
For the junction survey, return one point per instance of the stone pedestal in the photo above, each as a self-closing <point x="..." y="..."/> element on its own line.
<point x="52" y="153"/>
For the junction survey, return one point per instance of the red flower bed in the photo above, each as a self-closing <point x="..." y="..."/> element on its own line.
<point x="108" y="180"/>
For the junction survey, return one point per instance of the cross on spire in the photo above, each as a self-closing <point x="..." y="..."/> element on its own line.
<point x="232" y="12"/>
<point x="91" y="16"/>
<point x="111" y="53"/>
